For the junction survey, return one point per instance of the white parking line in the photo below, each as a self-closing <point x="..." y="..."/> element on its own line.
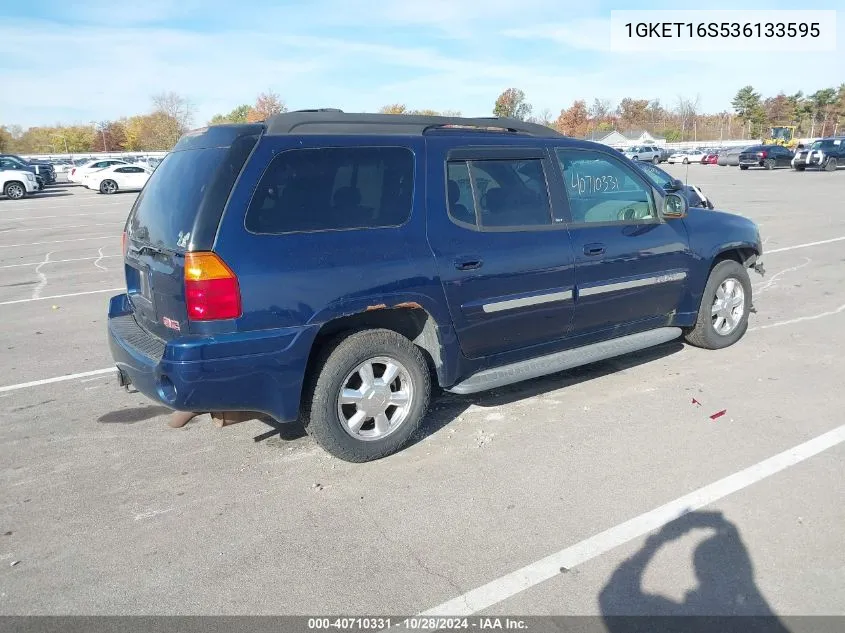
<point x="66" y="226"/>
<point x="808" y="244"/>
<point x="71" y="294"/>
<point x="48" y="381"/>
<point x="71" y="205"/>
<point x="515" y="582"/>
<point x="812" y="317"/>
<point x="78" y="239"/>
<point x="68" y="215"/>
<point x="58" y="261"/>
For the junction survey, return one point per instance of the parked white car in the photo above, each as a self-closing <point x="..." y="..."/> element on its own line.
<point x="78" y="173"/>
<point x="16" y="184"/>
<point x="687" y="156"/>
<point x="117" y="178"/>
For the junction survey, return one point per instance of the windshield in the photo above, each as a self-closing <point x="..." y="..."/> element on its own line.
<point x="656" y="175"/>
<point x="782" y="134"/>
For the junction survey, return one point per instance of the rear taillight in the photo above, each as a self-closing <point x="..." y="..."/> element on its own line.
<point x="73" y="171"/>
<point x="762" y="154"/>
<point x="211" y="288"/>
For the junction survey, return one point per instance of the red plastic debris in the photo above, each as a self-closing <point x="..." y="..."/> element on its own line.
<point x="718" y="414"/>
<point x="694" y="401"/>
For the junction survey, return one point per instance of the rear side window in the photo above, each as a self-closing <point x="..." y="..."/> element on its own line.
<point x="333" y="188"/>
<point x="498" y="194"/>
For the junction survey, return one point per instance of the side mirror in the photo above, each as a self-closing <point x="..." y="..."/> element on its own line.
<point x="675" y="185"/>
<point x="674" y="206"/>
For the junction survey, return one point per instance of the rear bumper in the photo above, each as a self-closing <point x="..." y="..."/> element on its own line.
<point x="246" y="371"/>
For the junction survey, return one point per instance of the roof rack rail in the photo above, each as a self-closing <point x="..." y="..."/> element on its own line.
<point x="333" y="121"/>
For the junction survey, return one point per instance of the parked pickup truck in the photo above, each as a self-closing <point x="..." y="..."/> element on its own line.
<point x="45" y="171"/>
<point x="331" y="267"/>
<point x="826" y="153"/>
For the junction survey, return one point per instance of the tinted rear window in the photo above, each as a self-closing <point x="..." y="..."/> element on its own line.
<point x="754" y="148"/>
<point x="187" y="185"/>
<point x="336" y="188"/>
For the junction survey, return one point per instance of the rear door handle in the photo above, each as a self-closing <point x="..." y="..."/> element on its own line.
<point x="468" y="264"/>
<point x="593" y="249"/>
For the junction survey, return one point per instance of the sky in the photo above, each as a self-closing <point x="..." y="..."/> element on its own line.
<point x="91" y="60"/>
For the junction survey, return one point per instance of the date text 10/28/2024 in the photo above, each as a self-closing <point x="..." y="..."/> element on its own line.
<point x="421" y="623"/>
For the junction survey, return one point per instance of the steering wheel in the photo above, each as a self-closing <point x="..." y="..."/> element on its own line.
<point x="633" y="212"/>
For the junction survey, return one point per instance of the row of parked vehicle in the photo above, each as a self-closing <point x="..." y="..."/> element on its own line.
<point x="19" y="177"/>
<point x="827" y="154"/>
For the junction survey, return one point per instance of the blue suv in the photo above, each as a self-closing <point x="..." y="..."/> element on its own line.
<point x="330" y="267"/>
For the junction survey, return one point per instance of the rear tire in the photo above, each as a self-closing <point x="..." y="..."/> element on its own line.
<point x="830" y="165"/>
<point x="686" y="161"/>
<point x="329" y="413"/>
<point x="721" y="303"/>
<point x="743" y="167"/>
<point x="655" y="160"/>
<point x="14" y="190"/>
<point x="798" y="168"/>
<point x="108" y="187"/>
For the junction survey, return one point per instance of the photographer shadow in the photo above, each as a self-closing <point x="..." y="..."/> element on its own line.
<point x="726" y="598"/>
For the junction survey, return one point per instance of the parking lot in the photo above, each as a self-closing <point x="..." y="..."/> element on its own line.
<point x="104" y="509"/>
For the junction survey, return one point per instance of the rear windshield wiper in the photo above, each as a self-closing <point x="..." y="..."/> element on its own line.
<point x="147" y="249"/>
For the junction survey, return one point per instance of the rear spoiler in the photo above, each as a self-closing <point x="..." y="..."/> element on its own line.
<point x="217" y="136"/>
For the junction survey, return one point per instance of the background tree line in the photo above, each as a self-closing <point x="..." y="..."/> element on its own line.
<point x="818" y="114"/>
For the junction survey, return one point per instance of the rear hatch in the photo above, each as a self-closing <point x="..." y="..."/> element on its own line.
<point x="178" y="211"/>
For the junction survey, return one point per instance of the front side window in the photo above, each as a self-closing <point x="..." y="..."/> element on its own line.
<point x="333" y="188"/>
<point x="499" y="194"/>
<point x="656" y="175"/>
<point x="601" y="189"/>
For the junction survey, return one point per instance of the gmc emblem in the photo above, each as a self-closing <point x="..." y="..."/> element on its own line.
<point x="171" y="323"/>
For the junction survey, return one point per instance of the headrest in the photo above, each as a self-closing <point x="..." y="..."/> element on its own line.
<point x="347" y="197"/>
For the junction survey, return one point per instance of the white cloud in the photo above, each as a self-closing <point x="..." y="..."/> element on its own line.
<point x="587" y="34"/>
<point x="358" y="56"/>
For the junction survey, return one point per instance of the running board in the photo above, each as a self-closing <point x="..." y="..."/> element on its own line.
<point x="560" y="361"/>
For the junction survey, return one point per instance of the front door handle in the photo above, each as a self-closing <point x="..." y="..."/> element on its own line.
<point x="593" y="249"/>
<point x="468" y="264"/>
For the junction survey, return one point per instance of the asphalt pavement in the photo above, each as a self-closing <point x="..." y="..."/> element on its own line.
<point x="547" y="497"/>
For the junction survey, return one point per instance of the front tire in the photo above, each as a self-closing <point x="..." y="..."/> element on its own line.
<point x="655" y="160"/>
<point x="743" y="167"/>
<point x="367" y="395"/>
<point x="769" y="163"/>
<point x="725" y="306"/>
<point x="797" y="168"/>
<point x="686" y="161"/>
<point x="108" y="187"/>
<point x="14" y="191"/>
